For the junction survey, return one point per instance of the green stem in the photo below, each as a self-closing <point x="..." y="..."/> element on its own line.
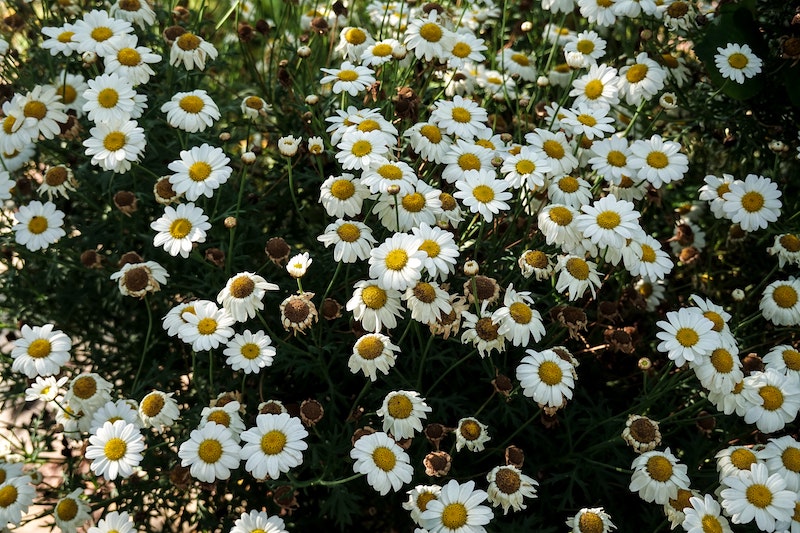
<point x="146" y="343"/>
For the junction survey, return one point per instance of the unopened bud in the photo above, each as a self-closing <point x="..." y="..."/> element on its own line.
<point x="542" y="81"/>
<point x="89" y="58"/>
<point x="526" y="26"/>
<point x="471" y="268"/>
<point x="304" y="51"/>
<point x="312" y="99"/>
<point x="248" y="158"/>
<point x="230" y="222"/>
<point x="224" y="136"/>
<point x="393" y="190"/>
<point x="738" y="295"/>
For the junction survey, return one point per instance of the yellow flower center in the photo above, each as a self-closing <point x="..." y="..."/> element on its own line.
<point x="361" y="148"/>
<point x="343" y="189"/>
<point x="646" y="289"/>
<point x="454" y="515"/>
<point x="593" y="89"/>
<point x="381" y="50"/>
<point x="347" y="75"/>
<point x="114" y="141"/>
<point x="470" y="430"/>
<point x="390" y="172"/>
<point x="369" y="348"/>
<point x="430" y="247"/>
<point x="56" y="176"/>
<point x="648" y="254"/>
<point x="432" y="133"/>
<point x="520" y="59"/>
<point x="384" y="458"/>
<point x="101" y="33"/>
<point x="355" y="36"/>
<point x="790" y="242"/>
<point x="424" y="292"/>
<point x="722" y="360"/>
<point x="348" y="232"/>
<point x="399" y="406"/>
<point x="180" y="228"/>
<point x="67" y="509"/>
<point x="687" y="337"/>
<point x="373" y="296"/>
<point x="188" y="41"/>
<point x="681" y="502"/>
<point x="209" y="451"/>
<point x="199" y="171"/>
<point x="461" y="115"/>
<point x="250" y="351"/>
<point x="65" y="36"/>
<point x="711" y="524"/>
<point x="716" y="318"/>
<point x="587" y="120"/>
<point x="152" y="405"/>
<point x="461" y="50"/>
<point x="609" y="220"/>
<point x="657" y="160"/>
<point x="550" y="373"/>
<point x="67" y="93"/>
<point x="792" y="359"/>
<point x="590" y="522"/>
<point x="772" y="396"/>
<point x="273" y="442"/>
<point x="554" y="150"/>
<point x="737" y="61"/>
<point x="560" y="215"/>
<point x="525" y="166"/>
<point x="220" y="417"/>
<point x="431" y="32"/>
<point x="578" y="268"/>
<point x="469" y="162"/>
<point x="242" y="287"/>
<point x="115" y="449"/>
<point x="520" y="313"/>
<point x="37" y="225"/>
<point x="423" y="500"/>
<point x="585" y="46"/>
<point x="413" y="202"/>
<point x="8" y="496"/>
<point x="483" y="193"/>
<point x="35" y="109"/>
<point x="191" y="104"/>
<point x="207" y="326"/>
<point x="486" y="329"/>
<point x="8" y="124"/>
<point x="759" y="495"/>
<point x="368" y="125"/>
<point x="84" y="387"/>
<point x="568" y="184"/>
<point x="752" y="201"/>
<point x="605" y="3"/>
<point x="494" y="80"/>
<point x="108" y="98"/>
<point x="791" y="459"/>
<point x="636" y="73"/>
<point x="742" y="458"/>
<point x="536" y="259"/>
<point x="129" y="57"/>
<point x="784" y="296"/>
<point x="396" y="259"/>
<point x="659" y="468"/>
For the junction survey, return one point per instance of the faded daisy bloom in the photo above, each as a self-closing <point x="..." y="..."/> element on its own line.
<point x="243" y="295"/>
<point x="137" y="279"/>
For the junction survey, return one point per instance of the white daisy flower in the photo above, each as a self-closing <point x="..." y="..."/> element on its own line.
<point x="642" y="80"/>
<point x="288" y="145"/>
<point x="352" y="240"/>
<point x="546" y="378"/>
<point x="88" y="392"/>
<point x="225" y="415"/>
<point x="385" y="463"/>
<point x="787" y="247"/>
<point x="737" y="62"/>
<point x="114" y="522"/>
<point x="600" y="13"/>
<point x="658" y="161"/>
<point x="556" y="149"/>
<point x="460" y="117"/>
<point x="179" y="227"/>
<point x="137" y="279"/>
<point x="418" y="499"/>
<point x="191" y="50"/>
<point x="200" y="171"/>
<point x="657" y="476"/>
<point x="598" y="86"/>
<point x="115" y="450"/>
<point x="40" y="351"/>
<point x="382" y="173"/>
<point x="780" y="302"/>
<point x="713" y="192"/>
<point x="576" y="275"/>
<point x="517" y="319"/>
<point x="528" y="168"/>
<point x="421" y="206"/>
<point x="784" y="358"/>
<point x="557" y="223"/>
<point x="274" y="445"/>
<point x="772" y="400"/>
<point x="451" y="214"/>
<point x="352" y="42"/>
<point x="516" y="63"/>
<point x="358" y="149"/>
<point x="397" y="263"/>
<point x="70" y="87"/>
<point x="210" y="453"/>
<point x="60" y="39"/>
<point x="427" y="38"/>
<point x="191" y="111"/>
<point x="782" y="456"/>
<point x="110" y="97"/>
<point x="18" y="494"/>
<point x="174" y="319"/>
<point x="343" y="195"/>
<point x="686" y="336"/>
<point x="258" y="521"/>
<point x="138" y="12"/>
<point x="463" y="156"/>
<point x="429" y="141"/>
<point x="591" y="121"/>
<point x="735" y="460"/>
<point x="591" y="520"/>
<point x="721" y="370"/>
<point x="705" y="514"/>
<point x="99" y="33"/>
<point x="349" y="78"/>
<point x="482" y="332"/>
<point x="441" y="250"/>
<point x="471" y="433"/>
<point x="611" y="159"/>
<point x="15" y="158"/>
<point x="112" y="411"/>
<point x="508" y="487"/>
<point x="535" y="262"/>
<point x="378" y="53"/>
<point x="249" y="352"/>
<point x="457" y="509"/>
<point x="355" y="119"/>
<point x="464" y="47"/>
<point x="372" y="352"/>
<point x="752" y="204"/>
<point x="609" y="222"/>
<point x="588" y="43"/>
<point x="402" y="413"/>
<point x="483" y="193"/>
<point x="38" y="225"/>
<point x="569" y="191"/>
<point x="427" y="302"/>
<point x="115" y="144"/>
<point x="756" y="495"/>
<point x="18" y="130"/>
<point x="298" y="265"/>
<point x="373" y="306"/>
<point x="59" y="180"/>
<point x="643" y="256"/>
<point x="71" y="512"/>
<point x="45" y="389"/>
<point x="207" y="327"/>
<point x="158" y="409"/>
